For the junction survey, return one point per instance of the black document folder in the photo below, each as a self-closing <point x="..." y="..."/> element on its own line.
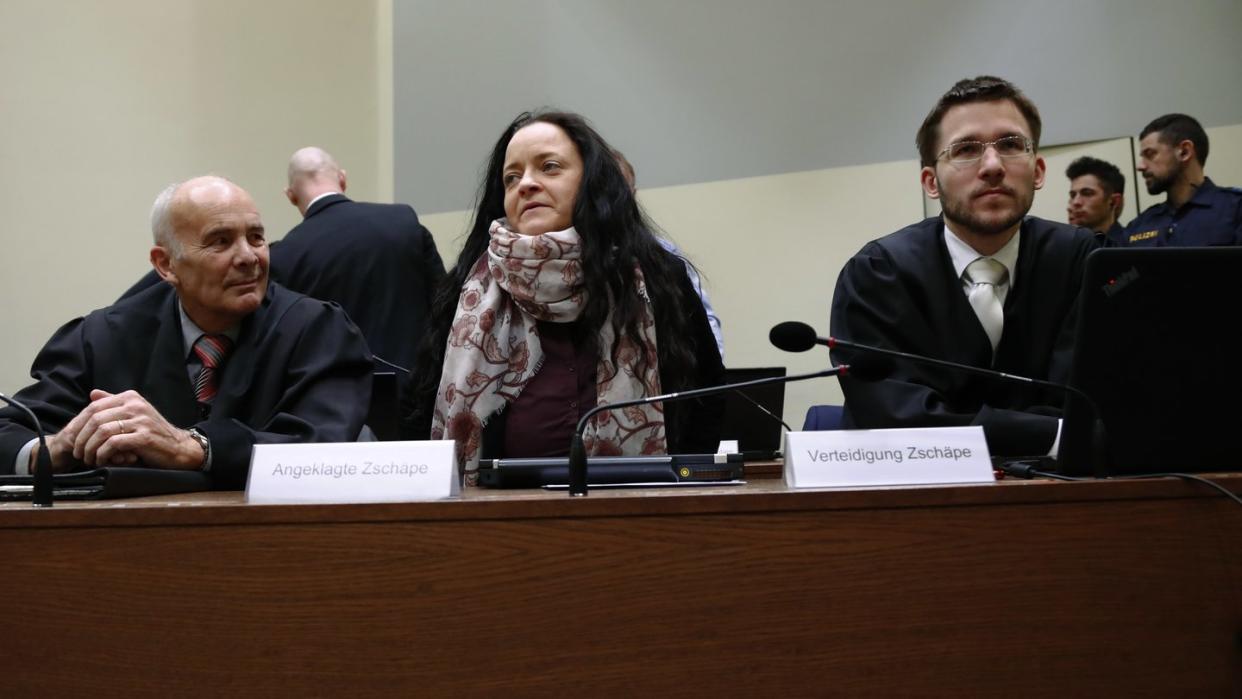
<point x="108" y="483"/>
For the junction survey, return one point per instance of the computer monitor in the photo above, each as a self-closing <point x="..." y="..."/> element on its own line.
<point x="1159" y="348"/>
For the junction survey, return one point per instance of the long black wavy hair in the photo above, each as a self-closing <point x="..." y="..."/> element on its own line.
<point x="616" y="237"/>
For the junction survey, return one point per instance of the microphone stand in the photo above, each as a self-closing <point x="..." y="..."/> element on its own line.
<point x="577" y="449"/>
<point x="43" y="462"/>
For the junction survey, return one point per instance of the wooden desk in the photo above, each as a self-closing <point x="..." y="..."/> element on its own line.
<point x="1111" y="588"/>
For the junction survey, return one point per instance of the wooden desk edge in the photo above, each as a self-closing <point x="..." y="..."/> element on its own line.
<point x="229" y="508"/>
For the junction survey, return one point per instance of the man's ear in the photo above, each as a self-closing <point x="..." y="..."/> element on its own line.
<point x="293" y="198"/>
<point x="1041" y="169"/>
<point x="1185" y="151"/>
<point x="162" y="262"/>
<point x="340" y="178"/>
<point x="1115" y="201"/>
<point x="931" y="186"/>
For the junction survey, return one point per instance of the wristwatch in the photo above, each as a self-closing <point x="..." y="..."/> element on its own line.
<point x="204" y="443"/>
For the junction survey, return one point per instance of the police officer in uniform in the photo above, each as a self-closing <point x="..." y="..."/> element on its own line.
<point x="1173" y="150"/>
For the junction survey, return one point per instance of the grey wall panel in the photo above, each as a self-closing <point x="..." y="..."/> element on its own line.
<point x="705" y="90"/>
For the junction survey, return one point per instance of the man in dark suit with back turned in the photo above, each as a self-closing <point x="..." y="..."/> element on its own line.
<point x="190" y="374"/>
<point x="376" y="260"/>
<point x="982" y="285"/>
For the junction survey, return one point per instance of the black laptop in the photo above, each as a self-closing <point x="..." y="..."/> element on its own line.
<point x="1159" y="350"/>
<point x="758" y="433"/>
<point x="109" y="482"/>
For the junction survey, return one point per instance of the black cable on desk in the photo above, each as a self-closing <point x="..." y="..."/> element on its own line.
<point x="1021" y="469"/>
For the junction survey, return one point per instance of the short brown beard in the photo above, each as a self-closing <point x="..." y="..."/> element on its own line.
<point x="964" y="219"/>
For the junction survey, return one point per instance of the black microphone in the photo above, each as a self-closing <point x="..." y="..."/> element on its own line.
<point x="867" y="369"/>
<point x="43" y="462"/>
<point x="1077" y="445"/>
<point x="793" y="336"/>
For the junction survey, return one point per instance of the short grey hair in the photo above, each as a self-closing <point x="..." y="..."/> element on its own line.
<point x="161" y="220"/>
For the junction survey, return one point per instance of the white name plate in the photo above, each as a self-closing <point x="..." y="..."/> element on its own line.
<point x="353" y="472"/>
<point x="851" y="458"/>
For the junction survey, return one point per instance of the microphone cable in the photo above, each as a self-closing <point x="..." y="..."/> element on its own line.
<point x="1027" y="471"/>
<point x="767" y="412"/>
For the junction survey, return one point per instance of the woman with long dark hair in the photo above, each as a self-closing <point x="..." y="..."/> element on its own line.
<point x="563" y="299"/>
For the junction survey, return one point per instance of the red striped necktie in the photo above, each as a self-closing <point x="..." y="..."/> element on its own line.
<point x="211" y="350"/>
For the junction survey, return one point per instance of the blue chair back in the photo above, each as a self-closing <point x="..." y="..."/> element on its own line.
<point x="823" y="417"/>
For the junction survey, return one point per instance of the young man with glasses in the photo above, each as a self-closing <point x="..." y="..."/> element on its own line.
<point x="983" y="284"/>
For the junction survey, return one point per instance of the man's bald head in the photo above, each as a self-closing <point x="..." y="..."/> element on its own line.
<point x="182" y="200"/>
<point x="313" y="172"/>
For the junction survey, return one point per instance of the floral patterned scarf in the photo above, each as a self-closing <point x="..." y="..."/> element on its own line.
<point x="493" y="347"/>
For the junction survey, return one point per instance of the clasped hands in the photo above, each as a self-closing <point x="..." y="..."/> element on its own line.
<point x="117" y="430"/>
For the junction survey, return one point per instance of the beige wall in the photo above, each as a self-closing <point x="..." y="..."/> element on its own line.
<point x="770" y="249"/>
<point x="105" y="103"/>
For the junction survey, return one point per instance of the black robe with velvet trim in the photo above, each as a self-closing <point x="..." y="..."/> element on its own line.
<point x="901" y="292"/>
<point x="299" y="372"/>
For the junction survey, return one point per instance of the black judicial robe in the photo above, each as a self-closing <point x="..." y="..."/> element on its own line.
<point x="376" y="260"/>
<point x="900" y="292"/>
<point x="299" y="372"/>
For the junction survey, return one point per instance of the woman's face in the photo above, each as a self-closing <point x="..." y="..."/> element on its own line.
<point x="541" y="176"/>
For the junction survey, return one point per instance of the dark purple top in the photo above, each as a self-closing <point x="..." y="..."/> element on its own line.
<point x="542" y="419"/>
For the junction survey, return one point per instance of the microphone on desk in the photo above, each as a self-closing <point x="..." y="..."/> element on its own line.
<point x="1080" y="442"/>
<point x="43" y="462"/>
<point x="869" y="368"/>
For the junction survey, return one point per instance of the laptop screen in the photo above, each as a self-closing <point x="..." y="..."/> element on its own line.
<point x="1158" y="349"/>
<point x="743" y="421"/>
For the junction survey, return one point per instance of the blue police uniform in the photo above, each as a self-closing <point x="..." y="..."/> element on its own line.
<point x="1114" y="237"/>
<point x="1213" y="216"/>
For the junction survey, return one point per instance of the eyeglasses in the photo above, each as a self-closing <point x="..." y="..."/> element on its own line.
<point x="971" y="151"/>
